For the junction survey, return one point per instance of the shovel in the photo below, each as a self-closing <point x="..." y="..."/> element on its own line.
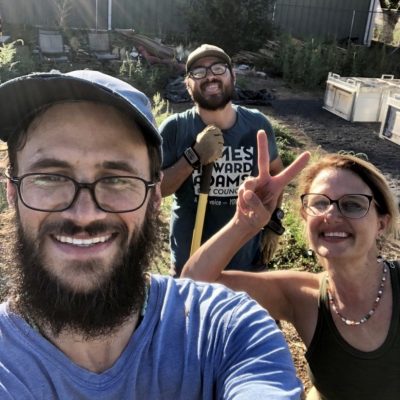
<point x="205" y="182"/>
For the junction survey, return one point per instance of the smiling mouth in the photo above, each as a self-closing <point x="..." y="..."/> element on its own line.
<point x="335" y="234"/>
<point x="83" y="242"/>
<point x="212" y="87"/>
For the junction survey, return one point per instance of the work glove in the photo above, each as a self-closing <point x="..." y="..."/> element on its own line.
<point x="268" y="245"/>
<point x="209" y="144"/>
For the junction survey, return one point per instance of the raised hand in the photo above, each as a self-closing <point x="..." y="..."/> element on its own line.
<point x="209" y="144"/>
<point x="258" y="196"/>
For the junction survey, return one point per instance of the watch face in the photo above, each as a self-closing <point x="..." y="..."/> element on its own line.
<point x="279" y="213"/>
<point x="192" y="157"/>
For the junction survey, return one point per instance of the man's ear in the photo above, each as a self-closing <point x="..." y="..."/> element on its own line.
<point x="12" y="194"/>
<point x="188" y="87"/>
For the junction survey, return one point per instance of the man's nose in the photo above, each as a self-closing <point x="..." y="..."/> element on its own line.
<point x="85" y="208"/>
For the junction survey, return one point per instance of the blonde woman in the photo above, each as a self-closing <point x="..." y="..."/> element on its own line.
<point x="348" y="316"/>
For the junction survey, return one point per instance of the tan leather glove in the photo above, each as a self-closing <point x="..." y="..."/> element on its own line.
<point x="209" y="144"/>
<point x="269" y="244"/>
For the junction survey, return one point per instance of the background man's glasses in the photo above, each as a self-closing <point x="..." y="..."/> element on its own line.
<point x="349" y="205"/>
<point x="201" y="72"/>
<point x="55" y="192"/>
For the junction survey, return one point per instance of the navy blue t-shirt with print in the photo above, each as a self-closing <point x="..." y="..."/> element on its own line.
<point x="238" y="161"/>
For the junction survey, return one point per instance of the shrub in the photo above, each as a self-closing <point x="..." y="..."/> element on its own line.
<point x="286" y="144"/>
<point x="160" y="108"/>
<point x="307" y="64"/>
<point x="15" y="60"/>
<point x="148" y="80"/>
<point x="232" y="25"/>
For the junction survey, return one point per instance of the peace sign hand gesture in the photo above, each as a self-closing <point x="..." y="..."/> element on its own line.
<point x="258" y="196"/>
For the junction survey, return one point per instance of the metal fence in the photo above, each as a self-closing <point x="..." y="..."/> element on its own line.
<point x="335" y="20"/>
<point x="148" y="16"/>
<point x="322" y="19"/>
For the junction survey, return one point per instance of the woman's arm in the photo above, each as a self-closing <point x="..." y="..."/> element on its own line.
<point x="257" y="199"/>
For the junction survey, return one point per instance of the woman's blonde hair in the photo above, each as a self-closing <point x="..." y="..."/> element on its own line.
<point x="367" y="172"/>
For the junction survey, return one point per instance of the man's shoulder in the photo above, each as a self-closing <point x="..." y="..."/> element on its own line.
<point x="252" y="117"/>
<point x="184" y="289"/>
<point x="254" y="112"/>
<point x="178" y="117"/>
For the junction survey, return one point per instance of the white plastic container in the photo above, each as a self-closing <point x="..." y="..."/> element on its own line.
<point x="390" y="126"/>
<point x="359" y="99"/>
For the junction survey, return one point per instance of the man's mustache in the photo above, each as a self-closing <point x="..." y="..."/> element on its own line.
<point x="68" y="227"/>
<point x="212" y="80"/>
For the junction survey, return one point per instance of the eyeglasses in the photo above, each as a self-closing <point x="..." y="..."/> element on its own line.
<point x="201" y="72"/>
<point x="350" y="205"/>
<point x="55" y="192"/>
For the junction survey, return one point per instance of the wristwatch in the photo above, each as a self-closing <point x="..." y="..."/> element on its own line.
<point x="275" y="223"/>
<point x="191" y="157"/>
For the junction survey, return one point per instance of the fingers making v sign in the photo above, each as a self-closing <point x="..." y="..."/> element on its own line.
<point x="258" y="196"/>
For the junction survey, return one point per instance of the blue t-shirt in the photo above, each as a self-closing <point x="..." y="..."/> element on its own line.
<point x="238" y="161"/>
<point x="196" y="341"/>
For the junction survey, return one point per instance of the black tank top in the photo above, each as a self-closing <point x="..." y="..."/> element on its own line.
<point x="341" y="372"/>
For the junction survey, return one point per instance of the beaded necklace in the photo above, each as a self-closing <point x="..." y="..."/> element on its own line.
<point x="369" y="314"/>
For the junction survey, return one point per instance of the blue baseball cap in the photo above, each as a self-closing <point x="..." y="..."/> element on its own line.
<point x="24" y="95"/>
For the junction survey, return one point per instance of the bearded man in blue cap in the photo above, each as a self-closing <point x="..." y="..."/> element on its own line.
<point x="83" y="318"/>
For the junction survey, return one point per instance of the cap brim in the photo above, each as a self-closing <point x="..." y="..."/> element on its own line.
<point x="208" y="53"/>
<point x="20" y="97"/>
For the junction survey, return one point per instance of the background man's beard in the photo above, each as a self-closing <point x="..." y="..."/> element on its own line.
<point x="41" y="296"/>
<point x="216" y="102"/>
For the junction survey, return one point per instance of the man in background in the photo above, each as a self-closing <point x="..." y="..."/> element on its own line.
<point x="213" y="131"/>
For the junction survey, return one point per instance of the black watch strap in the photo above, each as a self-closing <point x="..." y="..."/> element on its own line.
<point x="192" y="157"/>
<point x="275" y="223"/>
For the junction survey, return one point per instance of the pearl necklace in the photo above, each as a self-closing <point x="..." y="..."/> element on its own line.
<point x="369" y="314"/>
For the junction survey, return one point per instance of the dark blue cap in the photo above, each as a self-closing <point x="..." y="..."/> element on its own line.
<point x="20" y="97"/>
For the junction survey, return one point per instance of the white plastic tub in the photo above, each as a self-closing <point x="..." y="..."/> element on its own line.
<point x="359" y="99"/>
<point x="390" y="126"/>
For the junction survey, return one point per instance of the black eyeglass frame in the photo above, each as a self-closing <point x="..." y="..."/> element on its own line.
<point x="206" y="69"/>
<point x="367" y="196"/>
<point x="17" y="180"/>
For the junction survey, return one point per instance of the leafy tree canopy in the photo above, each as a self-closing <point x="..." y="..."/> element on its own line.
<point x="232" y="25"/>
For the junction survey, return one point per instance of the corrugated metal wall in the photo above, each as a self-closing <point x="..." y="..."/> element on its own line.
<point x="147" y="16"/>
<point x="336" y="19"/>
<point x="325" y="19"/>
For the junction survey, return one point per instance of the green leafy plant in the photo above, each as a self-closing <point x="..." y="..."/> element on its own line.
<point x="160" y="108"/>
<point x="293" y="250"/>
<point x="15" y="60"/>
<point x="307" y="64"/>
<point x="148" y="80"/>
<point x="7" y="62"/>
<point x="233" y="25"/>
<point x="286" y="143"/>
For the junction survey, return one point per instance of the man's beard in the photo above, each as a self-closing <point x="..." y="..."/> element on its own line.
<point x="43" y="299"/>
<point x="217" y="102"/>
